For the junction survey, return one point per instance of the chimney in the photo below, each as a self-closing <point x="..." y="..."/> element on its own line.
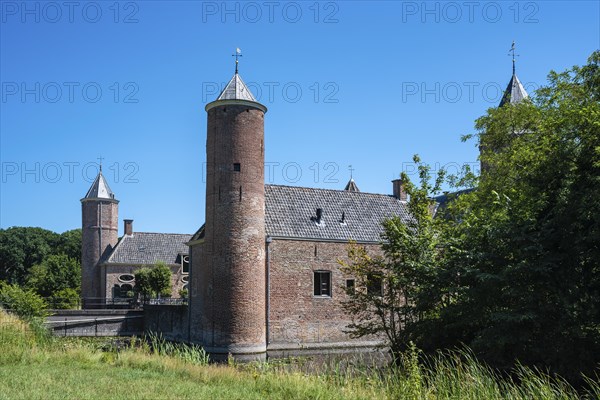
<point x="399" y="191"/>
<point x="128" y="226"/>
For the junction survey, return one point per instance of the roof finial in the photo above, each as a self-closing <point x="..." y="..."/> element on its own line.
<point x="238" y="53"/>
<point x="100" y="159"/>
<point x="351" y="170"/>
<point x="512" y="52"/>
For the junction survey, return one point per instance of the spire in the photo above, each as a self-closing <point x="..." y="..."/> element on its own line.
<point x="238" y="53"/>
<point x="515" y="92"/>
<point x="351" y="185"/>
<point x="99" y="189"/>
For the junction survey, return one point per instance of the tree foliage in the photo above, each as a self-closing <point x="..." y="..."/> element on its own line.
<point x="154" y="281"/>
<point x="24" y="303"/>
<point x="54" y="274"/>
<point x="512" y="268"/>
<point x="390" y="297"/>
<point x="522" y="254"/>
<point x="23" y="247"/>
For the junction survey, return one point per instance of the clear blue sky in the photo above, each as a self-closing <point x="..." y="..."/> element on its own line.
<point x="349" y="82"/>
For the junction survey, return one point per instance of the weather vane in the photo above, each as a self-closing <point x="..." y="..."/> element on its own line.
<point x="512" y="52"/>
<point x="100" y="159"/>
<point x="351" y="170"/>
<point x="238" y="54"/>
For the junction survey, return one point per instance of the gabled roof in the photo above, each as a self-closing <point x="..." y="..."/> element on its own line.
<point x="99" y="189"/>
<point x="514" y="93"/>
<point x="144" y="248"/>
<point x="351" y="186"/>
<point x="236" y="89"/>
<point x="291" y="212"/>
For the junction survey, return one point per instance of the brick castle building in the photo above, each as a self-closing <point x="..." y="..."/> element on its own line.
<point x="263" y="269"/>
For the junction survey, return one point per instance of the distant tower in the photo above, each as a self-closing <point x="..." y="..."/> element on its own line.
<point x="99" y="212"/>
<point x="228" y="306"/>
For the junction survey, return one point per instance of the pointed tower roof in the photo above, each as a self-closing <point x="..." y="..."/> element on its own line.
<point x="99" y="189"/>
<point x="236" y="92"/>
<point x="514" y="93"/>
<point x="236" y="89"/>
<point x="351" y="186"/>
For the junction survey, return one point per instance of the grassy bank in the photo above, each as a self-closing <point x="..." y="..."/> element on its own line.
<point x="34" y="366"/>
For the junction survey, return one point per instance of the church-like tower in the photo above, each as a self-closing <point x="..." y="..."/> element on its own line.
<point x="99" y="216"/>
<point x="228" y="300"/>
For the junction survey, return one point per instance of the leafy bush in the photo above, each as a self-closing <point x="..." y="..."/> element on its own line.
<point x="65" y="299"/>
<point x="24" y="303"/>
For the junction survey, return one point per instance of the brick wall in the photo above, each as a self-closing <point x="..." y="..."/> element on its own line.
<point x="95" y="245"/>
<point x="296" y="315"/>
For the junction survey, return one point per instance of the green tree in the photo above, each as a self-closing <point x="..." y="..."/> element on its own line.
<point x="521" y="258"/>
<point x="69" y="243"/>
<point x="55" y="273"/>
<point x="391" y="288"/>
<point x="160" y="279"/>
<point x="142" y="282"/>
<point x="155" y="280"/>
<point x="21" y="248"/>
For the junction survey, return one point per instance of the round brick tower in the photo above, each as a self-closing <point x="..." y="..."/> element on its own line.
<point x="99" y="223"/>
<point x="228" y="309"/>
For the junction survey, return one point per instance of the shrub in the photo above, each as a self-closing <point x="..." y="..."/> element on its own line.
<point x="24" y="303"/>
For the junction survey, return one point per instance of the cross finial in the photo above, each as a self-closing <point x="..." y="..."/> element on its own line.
<point x="100" y="159"/>
<point x="238" y="53"/>
<point x="512" y="52"/>
<point x="351" y="170"/>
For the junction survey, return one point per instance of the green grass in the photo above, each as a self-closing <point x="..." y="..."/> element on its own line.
<point x="35" y="366"/>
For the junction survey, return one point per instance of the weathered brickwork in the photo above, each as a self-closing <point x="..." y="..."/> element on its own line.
<point x="228" y="309"/>
<point x="296" y="315"/>
<point x="99" y="237"/>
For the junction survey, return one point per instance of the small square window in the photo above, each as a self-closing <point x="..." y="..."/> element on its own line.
<point x="350" y="286"/>
<point x="237" y="167"/>
<point x="322" y="283"/>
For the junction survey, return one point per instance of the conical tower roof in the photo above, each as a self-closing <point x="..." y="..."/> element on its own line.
<point x="99" y="189"/>
<point x="514" y="93"/>
<point x="236" y="89"/>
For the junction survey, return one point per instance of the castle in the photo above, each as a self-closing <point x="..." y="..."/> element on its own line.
<point x="262" y="272"/>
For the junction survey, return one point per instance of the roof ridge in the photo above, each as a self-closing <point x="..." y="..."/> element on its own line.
<point x="332" y="190"/>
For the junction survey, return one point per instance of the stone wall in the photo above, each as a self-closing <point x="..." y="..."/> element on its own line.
<point x="168" y="320"/>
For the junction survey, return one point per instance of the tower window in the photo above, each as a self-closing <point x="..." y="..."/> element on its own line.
<point x="237" y="167"/>
<point x="322" y="283"/>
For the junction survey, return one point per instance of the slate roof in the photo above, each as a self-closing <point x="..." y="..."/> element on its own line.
<point x="514" y="93"/>
<point x="236" y="89"/>
<point x="99" y="189"/>
<point x="291" y="212"/>
<point x="149" y="248"/>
